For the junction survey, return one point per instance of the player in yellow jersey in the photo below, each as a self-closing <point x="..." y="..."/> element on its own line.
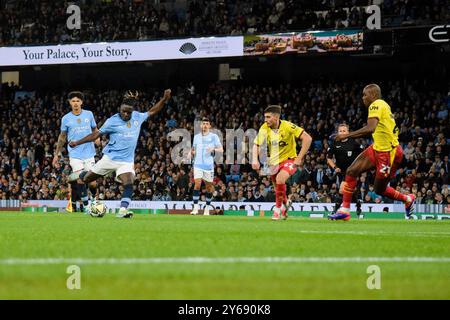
<point x="280" y="137"/>
<point x="385" y="154"/>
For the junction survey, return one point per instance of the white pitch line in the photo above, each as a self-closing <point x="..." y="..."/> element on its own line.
<point x="201" y="260"/>
<point x="430" y="234"/>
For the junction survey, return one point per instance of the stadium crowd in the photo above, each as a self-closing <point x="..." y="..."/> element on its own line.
<point x="30" y="128"/>
<point x="44" y="22"/>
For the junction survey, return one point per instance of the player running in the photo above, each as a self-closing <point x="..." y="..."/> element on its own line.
<point x="344" y="153"/>
<point x="123" y="129"/>
<point x="280" y="137"/>
<point x="385" y="154"/>
<point x="205" y="145"/>
<point x="75" y="125"/>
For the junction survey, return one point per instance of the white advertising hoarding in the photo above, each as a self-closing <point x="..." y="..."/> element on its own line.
<point x="192" y="48"/>
<point x="257" y="206"/>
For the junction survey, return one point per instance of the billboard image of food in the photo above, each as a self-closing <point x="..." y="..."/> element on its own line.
<point x="303" y="42"/>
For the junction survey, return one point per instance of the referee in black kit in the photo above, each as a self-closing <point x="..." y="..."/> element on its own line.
<point x="344" y="152"/>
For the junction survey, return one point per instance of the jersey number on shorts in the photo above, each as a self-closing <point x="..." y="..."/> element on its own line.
<point x="385" y="169"/>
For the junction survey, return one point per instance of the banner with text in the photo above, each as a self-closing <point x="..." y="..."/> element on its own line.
<point x="191" y="48"/>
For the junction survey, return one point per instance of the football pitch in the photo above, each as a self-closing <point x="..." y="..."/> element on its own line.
<point x="221" y="257"/>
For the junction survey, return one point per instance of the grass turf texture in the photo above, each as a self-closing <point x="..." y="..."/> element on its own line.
<point x="53" y="235"/>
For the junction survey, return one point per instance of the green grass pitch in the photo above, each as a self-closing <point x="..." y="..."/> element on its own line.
<point x="316" y="251"/>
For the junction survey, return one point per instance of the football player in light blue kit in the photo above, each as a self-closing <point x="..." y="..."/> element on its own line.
<point x="75" y="125"/>
<point x="203" y="148"/>
<point x="123" y="129"/>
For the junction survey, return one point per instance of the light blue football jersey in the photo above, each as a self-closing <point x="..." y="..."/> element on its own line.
<point x="203" y="159"/>
<point x="77" y="127"/>
<point x="123" y="136"/>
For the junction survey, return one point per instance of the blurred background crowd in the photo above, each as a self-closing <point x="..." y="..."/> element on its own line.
<point x="44" y="22"/>
<point x="30" y="127"/>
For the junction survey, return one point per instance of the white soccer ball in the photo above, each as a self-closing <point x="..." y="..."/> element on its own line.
<point x="97" y="209"/>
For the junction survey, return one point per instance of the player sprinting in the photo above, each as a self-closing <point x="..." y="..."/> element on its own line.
<point x="281" y="137"/>
<point x="123" y="129"/>
<point x="385" y="154"/>
<point x="75" y="125"/>
<point x="204" y="146"/>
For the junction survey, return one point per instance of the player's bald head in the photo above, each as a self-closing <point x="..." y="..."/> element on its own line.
<point x="373" y="90"/>
<point x="371" y="93"/>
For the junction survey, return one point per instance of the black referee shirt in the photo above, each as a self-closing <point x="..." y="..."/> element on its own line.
<point x="345" y="152"/>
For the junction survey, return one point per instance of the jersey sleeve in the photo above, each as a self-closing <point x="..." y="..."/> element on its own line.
<point x="64" y="126"/>
<point x="217" y="143"/>
<point x="375" y="111"/>
<point x="93" y="123"/>
<point x="261" y="137"/>
<point x="358" y="147"/>
<point x="296" y="130"/>
<point x="106" y="127"/>
<point x="330" y="152"/>
<point x="194" y="143"/>
<point x="143" y="116"/>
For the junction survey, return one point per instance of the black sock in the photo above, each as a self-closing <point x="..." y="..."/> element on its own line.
<point x="208" y="198"/>
<point x="74" y="195"/>
<point x="93" y="191"/>
<point x="338" y="203"/>
<point x="83" y="194"/>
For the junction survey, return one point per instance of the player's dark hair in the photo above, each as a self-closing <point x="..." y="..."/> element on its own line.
<point x="130" y="98"/>
<point x="75" y="94"/>
<point x="205" y="119"/>
<point x="343" y="124"/>
<point x="273" y="109"/>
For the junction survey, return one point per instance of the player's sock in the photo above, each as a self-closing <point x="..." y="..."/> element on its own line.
<point x="92" y="190"/>
<point x="338" y="203"/>
<point x="196" y="196"/>
<point x="395" y="195"/>
<point x="74" y="195"/>
<point x="82" y="174"/>
<point x="83" y="194"/>
<point x="208" y="198"/>
<point x="347" y="193"/>
<point x="280" y="194"/>
<point x="126" y="196"/>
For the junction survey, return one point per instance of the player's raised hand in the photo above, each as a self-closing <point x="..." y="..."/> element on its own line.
<point x="167" y="94"/>
<point x="55" y="160"/>
<point x="256" y="165"/>
<point x="298" y="162"/>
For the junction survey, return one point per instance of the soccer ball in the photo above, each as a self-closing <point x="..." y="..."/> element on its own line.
<point x="97" y="209"/>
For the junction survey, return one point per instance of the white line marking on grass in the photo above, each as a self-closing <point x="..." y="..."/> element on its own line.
<point x="376" y="233"/>
<point x="200" y="260"/>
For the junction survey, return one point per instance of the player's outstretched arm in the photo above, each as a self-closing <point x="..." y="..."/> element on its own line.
<point x="59" y="145"/>
<point x="160" y="104"/>
<point x="333" y="165"/>
<point x="306" y="140"/>
<point x="97" y="141"/>
<point x="255" y="162"/>
<point x="369" y="128"/>
<point x="89" y="138"/>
